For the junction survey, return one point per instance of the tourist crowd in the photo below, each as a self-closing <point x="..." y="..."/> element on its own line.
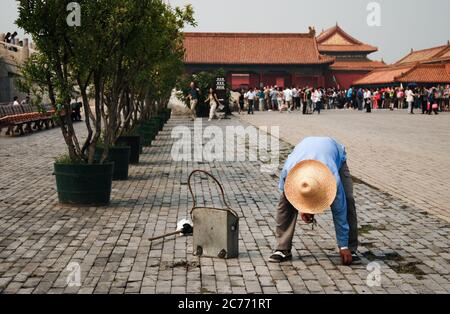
<point x="310" y="99"/>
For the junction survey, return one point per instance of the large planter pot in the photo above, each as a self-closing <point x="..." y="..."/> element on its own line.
<point x="148" y="131"/>
<point x="120" y="156"/>
<point x="159" y="121"/>
<point x="141" y="143"/>
<point x="165" y="114"/>
<point x="147" y="135"/>
<point x="134" y="142"/>
<point x="169" y="113"/>
<point x="154" y="124"/>
<point x="84" y="184"/>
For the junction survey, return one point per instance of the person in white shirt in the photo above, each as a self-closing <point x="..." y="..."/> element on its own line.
<point x="16" y="101"/>
<point x="333" y="99"/>
<point x="368" y="100"/>
<point x="296" y="97"/>
<point x="410" y="100"/>
<point x="250" y="96"/>
<point x="288" y="98"/>
<point x="317" y="100"/>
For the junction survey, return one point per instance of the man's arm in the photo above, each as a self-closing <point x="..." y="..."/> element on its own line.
<point x="283" y="176"/>
<point x="339" y="211"/>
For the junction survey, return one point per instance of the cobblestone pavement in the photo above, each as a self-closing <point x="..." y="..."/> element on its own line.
<point x="39" y="237"/>
<point x="407" y="156"/>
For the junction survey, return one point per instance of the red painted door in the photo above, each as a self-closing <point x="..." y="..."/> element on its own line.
<point x="280" y="82"/>
<point x="239" y="81"/>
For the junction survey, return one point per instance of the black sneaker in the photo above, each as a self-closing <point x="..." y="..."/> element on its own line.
<point x="356" y="260"/>
<point x="280" y="256"/>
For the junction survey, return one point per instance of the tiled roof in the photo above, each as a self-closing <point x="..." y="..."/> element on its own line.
<point x="335" y="39"/>
<point x="407" y="73"/>
<point x="367" y="65"/>
<point x="445" y="54"/>
<point x="347" y="48"/>
<point x="426" y="73"/>
<point x="252" y="48"/>
<point x="425" y="55"/>
<point x="385" y="75"/>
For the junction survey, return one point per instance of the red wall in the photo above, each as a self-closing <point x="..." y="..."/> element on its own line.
<point x="272" y="79"/>
<point x="344" y="79"/>
<point x="303" y="81"/>
<point x="254" y="80"/>
<point x="237" y="82"/>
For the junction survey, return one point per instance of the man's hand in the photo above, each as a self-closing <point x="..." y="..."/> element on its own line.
<point x="346" y="257"/>
<point x="307" y="218"/>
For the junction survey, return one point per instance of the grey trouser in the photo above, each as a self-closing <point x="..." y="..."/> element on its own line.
<point x="287" y="216"/>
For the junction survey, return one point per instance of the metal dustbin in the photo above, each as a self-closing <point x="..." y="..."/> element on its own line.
<point x="216" y="230"/>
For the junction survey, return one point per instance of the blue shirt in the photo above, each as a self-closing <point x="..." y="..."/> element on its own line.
<point x="350" y="93"/>
<point x="332" y="154"/>
<point x="274" y="95"/>
<point x="194" y="93"/>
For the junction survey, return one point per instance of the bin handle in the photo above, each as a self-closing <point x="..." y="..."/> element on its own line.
<point x="227" y="207"/>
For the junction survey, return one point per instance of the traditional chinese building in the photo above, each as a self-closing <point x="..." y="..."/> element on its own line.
<point x="259" y="59"/>
<point x="351" y="55"/>
<point x="333" y="59"/>
<point x="423" y="67"/>
<point x="435" y="55"/>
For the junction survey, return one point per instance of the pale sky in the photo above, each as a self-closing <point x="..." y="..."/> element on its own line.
<point x="405" y="24"/>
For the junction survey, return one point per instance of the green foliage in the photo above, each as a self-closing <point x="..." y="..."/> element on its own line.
<point x="126" y="56"/>
<point x="102" y="145"/>
<point x="203" y="81"/>
<point x="131" y="132"/>
<point x="33" y="80"/>
<point x="66" y="160"/>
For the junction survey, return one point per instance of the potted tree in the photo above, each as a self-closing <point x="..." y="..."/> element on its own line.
<point x="66" y="60"/>
<point x="96" y="63"/>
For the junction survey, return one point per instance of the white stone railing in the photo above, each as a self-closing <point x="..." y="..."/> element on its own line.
<point x="14" y="53"/>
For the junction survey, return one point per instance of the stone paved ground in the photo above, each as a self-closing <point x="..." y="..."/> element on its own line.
<point x="39" y="237"/>
<point x="405" y="155"/>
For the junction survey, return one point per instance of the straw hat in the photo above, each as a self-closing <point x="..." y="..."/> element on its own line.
<point x="311" y="187"/>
